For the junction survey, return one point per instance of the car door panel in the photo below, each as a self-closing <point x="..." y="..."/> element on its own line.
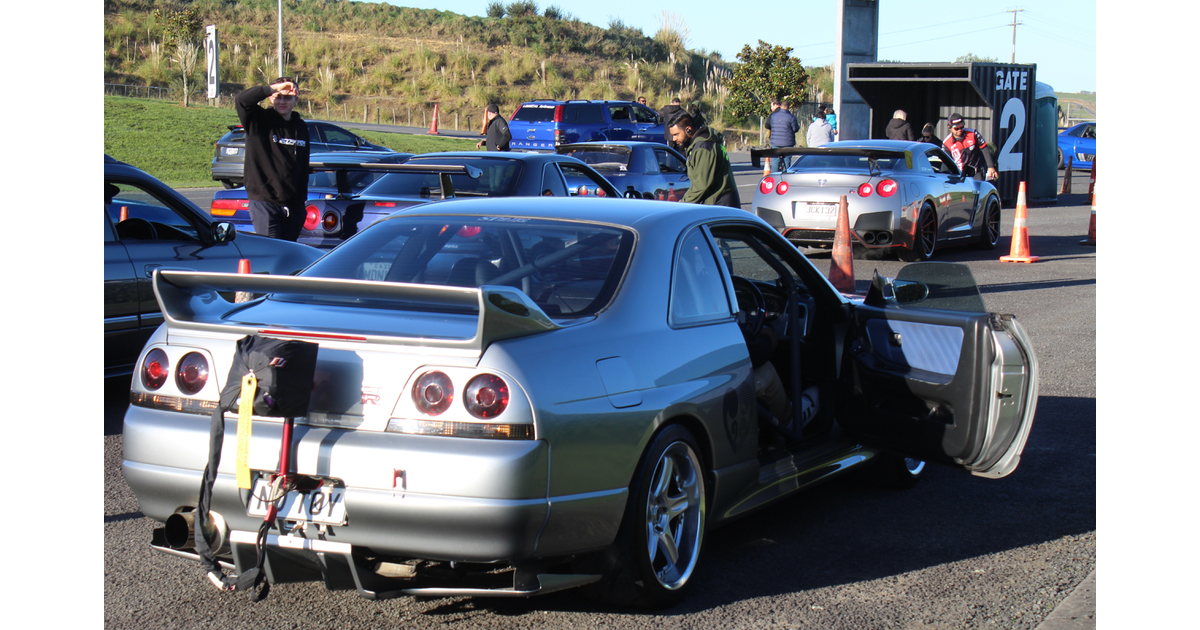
<point x="950" y="387"/>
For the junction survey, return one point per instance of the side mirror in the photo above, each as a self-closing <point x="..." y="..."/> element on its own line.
<point x="223" y="232"/>
<point x="893" y="291"/>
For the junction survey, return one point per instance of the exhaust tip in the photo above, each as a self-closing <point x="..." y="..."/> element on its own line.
<point x="179" y="530"/>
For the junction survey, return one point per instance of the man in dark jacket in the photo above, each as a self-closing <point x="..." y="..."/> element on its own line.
<point x="497" y="134"/>
<point x="666" y="116"/>
<point x="783" y="130"/>
<point x="899" y="129"/>
<point x="276" y="171"/>
<point x="709" y="171"/>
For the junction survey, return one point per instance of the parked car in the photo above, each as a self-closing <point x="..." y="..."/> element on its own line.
<point x="544" y="125"/>
<point x="470" y="174"/>
<point x="149" y="226"/>
<point x="906" y="197"/>
<point x="648" y="170"/>
<point x="517" y="396"/>
<point x="233" y="204"/>
<point x="230" y="157"/>
<point x="1078" y="143"/>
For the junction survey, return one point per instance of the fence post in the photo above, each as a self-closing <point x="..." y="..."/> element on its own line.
<point x="456" y="121"/>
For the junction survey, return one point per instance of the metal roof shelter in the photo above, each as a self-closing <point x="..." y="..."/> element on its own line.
<point x="997" y="99"/>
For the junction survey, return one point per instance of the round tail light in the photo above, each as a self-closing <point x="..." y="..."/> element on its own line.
<point x="192" y="373"/>
<point x="329" y="222"/>
<point x="433" y="393"/>
<point x="154" y="369"/>
<point x="781" y="187"/>
<point x="583" y="191"/>
<point x="766" y="185"/>
<point x="887" y="188"/>
<point x="600" y="192"/>
<point x="486" y="396"/>
<point x="865" y="190"/>
<point x="312" y="216"/>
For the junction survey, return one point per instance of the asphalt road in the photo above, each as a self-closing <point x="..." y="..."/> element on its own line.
<point x="954" y="552"/>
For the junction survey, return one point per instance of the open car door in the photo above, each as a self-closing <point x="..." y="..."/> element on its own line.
<point x="936" y="377"/>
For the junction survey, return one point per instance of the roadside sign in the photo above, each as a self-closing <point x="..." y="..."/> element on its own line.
<point x="211" y="52"/>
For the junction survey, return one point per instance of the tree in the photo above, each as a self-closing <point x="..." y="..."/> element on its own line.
<point x="187" y="55"/>
<point x="765" y="73"/>
<point x="495" y="9"/>
<point x="181" y="30"/>
<point x="973" y="58"/>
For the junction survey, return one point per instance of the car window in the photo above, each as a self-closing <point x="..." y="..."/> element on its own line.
<point x="698" y="293"/>
<point x="668" y="162"/>
<point x="588" y="113"/>
<point x="645" y="114"/>
<point x="577" y="177"/>
<point x="534" y="112"/>
<point x="842" y="162"/>
<point x="939" y="162"/>
<point x="500" y="178"/>
<point x="619" y="113"/>
<point x="602" y="158"/>
<point x="335" y="135"/>
<point x="743" y="259"/>
<point x="552" y="181"/>
<point x="138" y="214"/>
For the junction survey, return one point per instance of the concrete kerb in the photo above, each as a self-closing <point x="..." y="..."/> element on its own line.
<point x="1077" y="611"/>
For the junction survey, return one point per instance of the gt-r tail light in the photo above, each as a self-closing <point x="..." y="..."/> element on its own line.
<point x="766" y="185"/>
<point x="312" y="217"/>
<point x="865" y="190"/>
<point x="155" y="369"/>
<point x="433" y="393"/>
<point x="781" y="187"/>
<point x="192" y="373"/>
<point x="486" y="396"/>
<point x="330" y="221"/>
<point x="887" y="188"/>
<point x="583" y="191"/>
<point x="600" y="192"/>
<point x="228" y="207"/>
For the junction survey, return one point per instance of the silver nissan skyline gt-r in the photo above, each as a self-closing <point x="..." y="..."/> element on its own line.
<point x="515" y="396"/>
<point x="906" y="197"/>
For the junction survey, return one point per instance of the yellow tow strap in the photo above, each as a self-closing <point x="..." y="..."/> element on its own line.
<point x="245" y="410"/>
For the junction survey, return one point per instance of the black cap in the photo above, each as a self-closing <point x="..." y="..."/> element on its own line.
<point x="955" y="119"/>
<point x="492" y="108"/>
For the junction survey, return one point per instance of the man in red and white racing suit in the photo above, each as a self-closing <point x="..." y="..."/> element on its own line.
<point x="967" y="146"/>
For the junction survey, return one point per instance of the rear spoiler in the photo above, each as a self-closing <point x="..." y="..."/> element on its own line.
<point x="444" y="171"/>
<point x="192" y="301"/>
<point x="756" y="155"/>
<point x="599" y="145"/>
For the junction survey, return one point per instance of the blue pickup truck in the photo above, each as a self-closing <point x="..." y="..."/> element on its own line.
<point x="543" y="125"/>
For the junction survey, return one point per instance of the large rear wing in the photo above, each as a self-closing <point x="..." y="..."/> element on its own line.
<point x="872" y="154"/>
<point x="444" y="171"/>
<point x="193" y="301"/>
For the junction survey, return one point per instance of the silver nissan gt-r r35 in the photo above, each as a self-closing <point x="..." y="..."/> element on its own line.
<point x="515" y="396"/>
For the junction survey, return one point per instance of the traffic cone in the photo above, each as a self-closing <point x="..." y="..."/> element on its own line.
<point x="242" y="296"/>
<point x="433" y="125"/>
<point x="671" y="196"/>
<point x="1066" y="189"/>
<point x="1091" y="237"/>
<point x="1020" y="236"/>
<point x="841" y="269"/>
<point x="1092" y="183"/>
<point x="124" y="213"/>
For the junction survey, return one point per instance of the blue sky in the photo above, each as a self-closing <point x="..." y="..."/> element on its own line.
<point x="1060" y="36"/>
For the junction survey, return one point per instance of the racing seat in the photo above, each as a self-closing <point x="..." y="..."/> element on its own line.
<point x="472" y="272"/>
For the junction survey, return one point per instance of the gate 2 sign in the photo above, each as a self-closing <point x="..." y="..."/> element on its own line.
<point x="211" y="52"/>
<point x="1014" y="111"/>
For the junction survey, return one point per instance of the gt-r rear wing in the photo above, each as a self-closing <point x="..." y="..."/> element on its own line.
<point x="444" y="171"/>
<point x="872" y="154"/>
<point x="193" y="301"/>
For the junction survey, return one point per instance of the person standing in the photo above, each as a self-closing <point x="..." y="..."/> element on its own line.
<point x="968" y="147"/>
<point x="819" y="132"/>
<point x="666" y="116"/>
<point x="276" y="170"/>
<point x="927" y="135"/>
<point x="496" y="130"/>
<point x="898" y="127"/>
<point x="708" y="167"/>
<point x="830" y="117"/>
<point x="784" y="127"/>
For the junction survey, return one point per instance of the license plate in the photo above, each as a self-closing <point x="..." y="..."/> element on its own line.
<point x="231" y="150"/>
<point x="376" y="271"/>
<point x="818" y="210"/>
<point x="323" y="505"/>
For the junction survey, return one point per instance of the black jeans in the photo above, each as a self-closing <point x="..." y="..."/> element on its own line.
<point x="277" y="221"/>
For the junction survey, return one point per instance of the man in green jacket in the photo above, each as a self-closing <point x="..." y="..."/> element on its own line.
<point x="707" y="164"/>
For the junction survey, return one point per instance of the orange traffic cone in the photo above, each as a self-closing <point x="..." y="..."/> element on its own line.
<point x="1066" y="189"/>
<point x="841" y="270"/>
<point x="433" y="125"/>
<point x="1020" y="236"/>
<point x="1091" y="237"/>
<point x="1092" y="183"/>
<point x="671" y="196"/>
<point x="242" y="296"/>
<point x="124" y="213"/>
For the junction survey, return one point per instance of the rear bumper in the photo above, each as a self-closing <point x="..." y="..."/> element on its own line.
<point x="873" y="230"/>
<point x="232" y="171"/>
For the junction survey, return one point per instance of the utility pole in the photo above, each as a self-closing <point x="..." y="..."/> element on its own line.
<point x="1015" y="24"/>
<point x="280" y="51"/>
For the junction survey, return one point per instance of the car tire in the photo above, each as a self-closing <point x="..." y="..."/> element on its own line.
<point x="925" y="239"/>
<point x="657" y="548"/>
<point x="989" y="232"/>
<point x="1060" y="159"/>
<point x="889" y="470"/>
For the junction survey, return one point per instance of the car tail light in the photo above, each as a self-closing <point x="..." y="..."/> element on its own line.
<point x="228" y="207"/>
<point x="385" y="204"/>
<point x="433" y="393"/>
<point x="583" y="191"/>
<point x="865" y="190"/>
<point x="600" y="192"/>
<point x="469" y="231"/>
<point x="766" y="185"/>
<point x="781" y="187"/>
<point x="192" y="373"/>
<point x="154" y="369"/>
<point x="558" y="113"/>
<point x="312" y="217"/>
<point x="486" y="396"/>
<point x="330" y="221"/>
<point x="887" y="188"/>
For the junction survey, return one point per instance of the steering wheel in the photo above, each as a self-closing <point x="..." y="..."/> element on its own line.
<point x="752" y="308"/>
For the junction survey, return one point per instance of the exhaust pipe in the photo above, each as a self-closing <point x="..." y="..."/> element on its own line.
<point x="180" y="531"/>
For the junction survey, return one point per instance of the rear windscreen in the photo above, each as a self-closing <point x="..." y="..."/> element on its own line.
<point x="534" y="112"/>
<point x="601" y="159"/>
<point x="499" y="179"/>
<point x="840" y="162"/>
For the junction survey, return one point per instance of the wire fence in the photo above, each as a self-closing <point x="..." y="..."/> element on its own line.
<point x="137" y="91"/>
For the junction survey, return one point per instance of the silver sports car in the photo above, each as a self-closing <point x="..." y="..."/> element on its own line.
<point x="515" y="396"/>
<point x="907" y="197"/>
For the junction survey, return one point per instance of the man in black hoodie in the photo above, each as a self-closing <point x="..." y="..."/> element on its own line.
<point x="276" y="171"/>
